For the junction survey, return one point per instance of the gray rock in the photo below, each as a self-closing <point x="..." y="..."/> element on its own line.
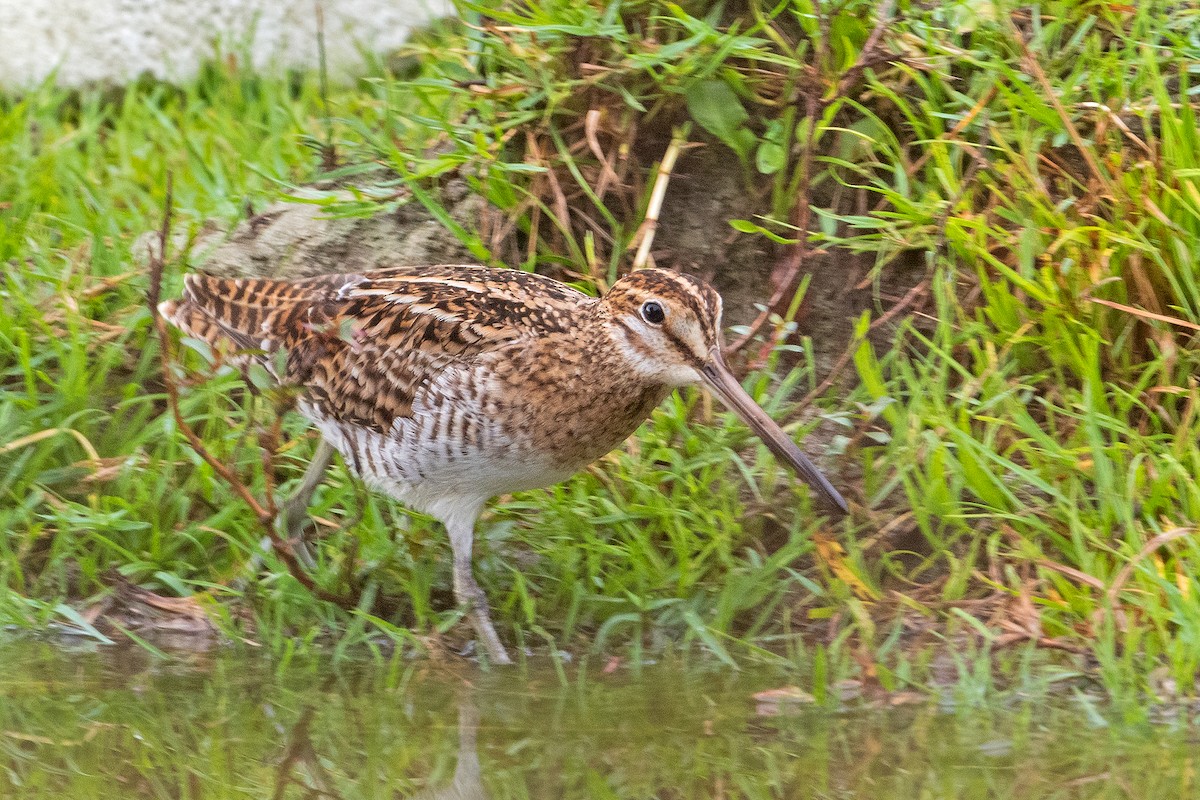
<point x="298" y="240"/>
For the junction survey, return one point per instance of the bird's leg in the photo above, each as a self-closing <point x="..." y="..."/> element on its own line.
<point x="293" y="512"/>
<point x="461" y="529"/>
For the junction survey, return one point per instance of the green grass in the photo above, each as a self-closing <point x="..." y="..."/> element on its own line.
<point x="614" y="553"/>
<point x="1019" y="444"/>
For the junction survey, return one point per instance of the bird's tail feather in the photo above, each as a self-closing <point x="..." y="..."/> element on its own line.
<point x="248" y="318"/>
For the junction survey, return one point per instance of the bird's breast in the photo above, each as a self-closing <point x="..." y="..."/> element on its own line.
<point x="531" y="424"/>
<point x="571" y="408"/>
<point x="521" y="420"/>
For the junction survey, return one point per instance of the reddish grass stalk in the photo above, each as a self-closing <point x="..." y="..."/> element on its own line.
<point x="265" y="512"/>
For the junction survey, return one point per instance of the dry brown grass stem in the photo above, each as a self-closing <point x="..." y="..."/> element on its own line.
<point x="608" y="175"/>
<point x="650" y="223"/>
<point x="1142" y="313"/>
<point x="1039" y="74"/>
<point x="1149" y="547"/>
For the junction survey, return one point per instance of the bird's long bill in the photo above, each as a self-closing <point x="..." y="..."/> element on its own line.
<point x="720" y="380"/>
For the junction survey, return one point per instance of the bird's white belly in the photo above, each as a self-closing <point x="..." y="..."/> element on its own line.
<point x="421" y="463"/>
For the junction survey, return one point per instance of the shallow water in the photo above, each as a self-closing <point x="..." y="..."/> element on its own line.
<point x="118" y="723"/>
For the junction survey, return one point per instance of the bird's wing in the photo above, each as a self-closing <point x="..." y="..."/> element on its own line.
<point x="362" y="345"/>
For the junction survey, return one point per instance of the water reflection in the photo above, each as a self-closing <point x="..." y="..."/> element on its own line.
<point x="301" y="766"/>
<point x="119" y="724"/>
<point x="467" y="783"/>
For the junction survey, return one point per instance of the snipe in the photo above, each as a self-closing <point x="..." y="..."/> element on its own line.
<point x="446" y="386"/>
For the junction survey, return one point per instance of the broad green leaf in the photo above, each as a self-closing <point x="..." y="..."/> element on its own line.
<point x="716" y="107"/>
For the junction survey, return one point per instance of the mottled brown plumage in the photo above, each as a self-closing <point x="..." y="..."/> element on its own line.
<point x="445" y="386"/>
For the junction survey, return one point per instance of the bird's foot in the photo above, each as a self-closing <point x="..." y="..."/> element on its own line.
<point x="472" y="598"/>
<point x="293" y="512"/>
<point x="290" y="522"/>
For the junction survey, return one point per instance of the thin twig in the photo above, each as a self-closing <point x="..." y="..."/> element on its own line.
<point x="608" y="175"/>
<point x="869" y="56"/>
<point x="1079" y="576"/>
<point x="93" y="455"/>
<point x="802" y="217"/>
<point x="265" y="514"/>
<point x="1140" y="312"/>
<point x="787" y="272"/>
<point x="328" y="149"/>
<point x="1120" y="123"/>
<point x="562" y="209"/>
<point x="837" y="369"/>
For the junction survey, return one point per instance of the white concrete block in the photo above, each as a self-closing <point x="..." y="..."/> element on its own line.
<point x="117" y="40"/>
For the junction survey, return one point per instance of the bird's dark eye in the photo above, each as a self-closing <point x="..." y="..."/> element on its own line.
<point x="652" y="312"/>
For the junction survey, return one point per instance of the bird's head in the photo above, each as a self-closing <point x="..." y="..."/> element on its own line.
<point x="670" y="329"/>
<point x="671" y="324"/>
